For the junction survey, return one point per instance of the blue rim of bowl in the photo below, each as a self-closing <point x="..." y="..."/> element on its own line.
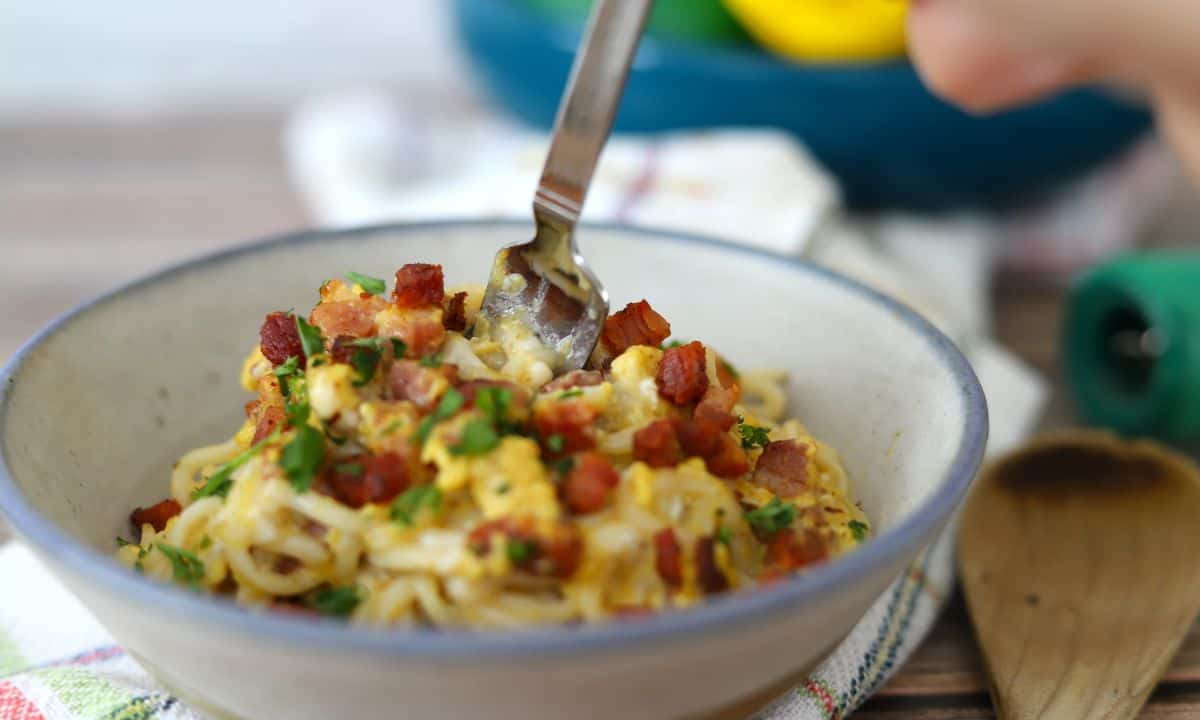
<point x="724" y="613"/>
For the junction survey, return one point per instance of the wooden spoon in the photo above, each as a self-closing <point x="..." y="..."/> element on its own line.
<point x="1079" y="559"/>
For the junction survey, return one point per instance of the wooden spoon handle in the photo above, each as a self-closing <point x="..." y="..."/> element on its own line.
<point x="1078" y="559"/>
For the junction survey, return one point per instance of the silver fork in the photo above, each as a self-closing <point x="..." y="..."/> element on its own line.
<point x="545" y="282"/>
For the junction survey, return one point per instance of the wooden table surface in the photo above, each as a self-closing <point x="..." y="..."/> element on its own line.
<point x="83" y="207"/>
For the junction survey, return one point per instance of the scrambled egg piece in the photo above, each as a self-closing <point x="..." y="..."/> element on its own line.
<point x="635" y="400"/>
<point x="332" y="394"/>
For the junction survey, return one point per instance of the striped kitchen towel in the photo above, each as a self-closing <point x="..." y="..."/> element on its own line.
<point x="58" y="663"/>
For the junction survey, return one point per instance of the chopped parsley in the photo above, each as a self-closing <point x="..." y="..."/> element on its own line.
<point x="772" y="517"/>
<point x="556" y="443"/>
<point x="860" y="530"/>
<point x="519" y="550"/>
<point x="494" y="402"/>
<point x="351" y="468"/>
<point x="564" y="467"/>
<point x="284" y="372"/>
<point x="409" y="503"/>
<point x="137" y="565"/>
<point x="673" y="344"/>
<point x="185" y="566"/>
<point x="398" y="348"/>
<point x="478" y="437"/>
<point x="205" y="543"/>
<point x="432" y="361"/>
<point x="336" y="601"/>
<point x="392" y="427"/>
<point x="375" y="286"/>
<point x="502" y="488"/>
<point x="302" y="457"/>
<point x="450" y="403"/>
<point x="219" y="482"/>
<point x="722" y="535"/>
<point x="297" y="413"/>
<point x="752" y="436"/>
<point x="142" y="553"/>
<point x="310" y="337"/>
<point x="729" y="368"/>
<point x="365" y="361"/>
<point x="572" y="393"/>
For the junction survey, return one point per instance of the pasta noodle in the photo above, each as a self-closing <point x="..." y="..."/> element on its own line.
<point x="400" y="473"/>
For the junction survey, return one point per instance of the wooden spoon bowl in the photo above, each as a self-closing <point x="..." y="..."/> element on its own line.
<point x="1079" y="560"/>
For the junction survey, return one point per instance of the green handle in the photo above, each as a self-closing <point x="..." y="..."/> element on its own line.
<point x="1132" y="345"/>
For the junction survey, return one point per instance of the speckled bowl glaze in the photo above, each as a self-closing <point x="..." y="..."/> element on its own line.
<point x="94" y="410"/>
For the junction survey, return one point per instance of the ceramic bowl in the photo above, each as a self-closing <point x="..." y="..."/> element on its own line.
<point x="888" y="140"/>
<point x="94" y="410"/>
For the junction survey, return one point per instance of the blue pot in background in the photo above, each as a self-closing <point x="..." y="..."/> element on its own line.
<point x="889" y="141"/>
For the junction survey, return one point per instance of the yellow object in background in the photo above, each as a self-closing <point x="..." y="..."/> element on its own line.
<point x="825" y="30"/>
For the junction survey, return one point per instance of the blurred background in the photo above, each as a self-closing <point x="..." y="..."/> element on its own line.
<point x="134" y="136"/>
<point x="139" y="134"/>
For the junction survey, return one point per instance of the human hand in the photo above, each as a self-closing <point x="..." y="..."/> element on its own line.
<point x="986" y="55"/>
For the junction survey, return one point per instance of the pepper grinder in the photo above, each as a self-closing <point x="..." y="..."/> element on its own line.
<point x="1132" y="346"/>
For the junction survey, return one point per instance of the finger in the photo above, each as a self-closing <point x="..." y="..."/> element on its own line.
<point x="966" y="57"/>
<point x="1179" y="118"/>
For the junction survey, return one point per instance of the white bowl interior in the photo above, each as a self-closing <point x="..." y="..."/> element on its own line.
<point x="108" y="403"/>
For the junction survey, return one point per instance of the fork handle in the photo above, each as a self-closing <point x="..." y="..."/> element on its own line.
<point x="589" y="105"/>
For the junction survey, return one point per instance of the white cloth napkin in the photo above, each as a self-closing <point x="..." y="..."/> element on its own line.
<point x="362" y="158"/>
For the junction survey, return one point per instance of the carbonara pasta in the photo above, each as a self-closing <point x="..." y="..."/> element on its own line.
<point x="397" y="469"/>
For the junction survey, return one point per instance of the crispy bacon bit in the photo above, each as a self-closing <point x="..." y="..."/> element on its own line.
<point x="269" y="419"/>
<point x="286" y="564"/>
<point x="251" y="407"/>
<point x="342" y="349"/>
<point x="280" y="339"/>
<point x="574" y="379"/>
<point x="570" y="420"/>
<point x="717" y="406"/>
<point x="563" y="553"/>
<point x="420" y="329"/>
<point x="792" y="550"/>
<point x="420" y="385"/>
<point x="312" y="528"/>
<point x="657" y="444"/>
<point x="586" y="487"/>
<point x="708" y="575"/>
<point x="668" y="558"/>
<point x="783" y="468"/>
<point x="419" y="285"/>
<point x="555" y="548"/>
<point x="730" y="462"/>
<point x="456" y="312"/>
<point x="723" y="455"/>
<point x="354" y="318"/>
<point x="157" y="515"/>
<point x="362" y="479"/>
<point x="725" y="376"/>
<point x="637" y="324"/>
<point x="681" y="377"/>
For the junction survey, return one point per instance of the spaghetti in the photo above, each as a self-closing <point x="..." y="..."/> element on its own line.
<point x="397" y="469"/>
